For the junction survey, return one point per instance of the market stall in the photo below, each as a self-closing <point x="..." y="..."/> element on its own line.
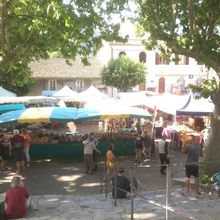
<point x="75" y="150"/>
<point x="196" y="107"/>
<point x="6" y="93"/>
<point x="67" y="93"/>
<point x="46" y="144"/>
<point x="53" y="143"/>
<point x="91" y="94"/>
<point x="10" y="107"/>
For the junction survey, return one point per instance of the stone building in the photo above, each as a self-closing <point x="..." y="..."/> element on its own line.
<point x="161" y="76"/>
<point x="53" y="74"/>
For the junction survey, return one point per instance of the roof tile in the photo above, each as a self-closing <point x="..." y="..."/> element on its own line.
<point x="58" y="68"/>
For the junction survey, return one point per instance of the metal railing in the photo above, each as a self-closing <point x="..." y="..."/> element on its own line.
<point x="168" y="184"/>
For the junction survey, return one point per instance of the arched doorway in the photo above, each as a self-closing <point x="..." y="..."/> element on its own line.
<point x="142" y="57"/>
<point x="142" y="87"/>
<point x="161" y="85"/>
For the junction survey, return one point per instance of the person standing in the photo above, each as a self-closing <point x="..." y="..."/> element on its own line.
<point x="138" y="126"/>
<point x="110" y="161"/>
<point x="27" y="140"/>
<point x="17" y="200"/>
<point x="17" y="149"/>
<point x="139" y="146"/>
<point x="94" y="153"/>
<point x="163" y="154"/>
<point x="147" y="146"/>
<point x="89" y="146"/>
<point x="193" y="151"/>
<point x="3" y="153"/>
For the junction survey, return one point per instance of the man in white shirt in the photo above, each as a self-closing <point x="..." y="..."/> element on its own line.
<point x="89" y="146"/>
<point x="163" y="154"/>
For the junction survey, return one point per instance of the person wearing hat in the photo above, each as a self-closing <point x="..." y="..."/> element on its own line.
<point x="17" y="148"/>
<point x="121" y="183"/>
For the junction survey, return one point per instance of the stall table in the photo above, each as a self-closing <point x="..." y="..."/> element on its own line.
<point x="75" y="150"/>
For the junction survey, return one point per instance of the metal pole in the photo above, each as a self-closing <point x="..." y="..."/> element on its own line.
<point x="106" y="184"/>
<point x="132" y="192"/>
<point x="101" y="180"/>
<point x="115" y="188"/>
<point x="167" y="190"/>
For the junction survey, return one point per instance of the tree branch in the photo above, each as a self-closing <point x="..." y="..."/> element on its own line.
<point x="191" y="9"/>
<point x="174" y="8"/>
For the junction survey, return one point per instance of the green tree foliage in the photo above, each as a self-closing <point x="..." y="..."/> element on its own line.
<point x="31" y="30"/>
<point x="206" y="88"/>
<point x="191" y="28"/>
<point x="123" y="73"/>
<point x="188" y="27"/>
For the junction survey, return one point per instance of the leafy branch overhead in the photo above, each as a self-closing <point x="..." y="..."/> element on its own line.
<point x="190" y="28"/>
<point x="123" y="73"/>
<point x="187" y="27"/>
<point x="206" y="88"/>
<point x="31" y="30"/>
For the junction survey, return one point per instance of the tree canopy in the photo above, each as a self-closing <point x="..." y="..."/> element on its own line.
<point x="30" y="30"/>
<point x="191" y="28"/>
<point x="188" y="27"/>
<point x="123" y="73"/>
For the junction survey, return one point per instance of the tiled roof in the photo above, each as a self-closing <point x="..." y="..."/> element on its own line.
<point x="58" y="68"/>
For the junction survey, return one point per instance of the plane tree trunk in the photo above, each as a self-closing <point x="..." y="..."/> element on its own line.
<point x="212" y="150"/>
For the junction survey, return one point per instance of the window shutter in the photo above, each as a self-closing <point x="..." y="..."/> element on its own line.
<point x="157" y="58"/>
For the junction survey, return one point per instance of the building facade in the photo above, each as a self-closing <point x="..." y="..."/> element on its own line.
<point x="161" y="76"/>
<point x="54" y="74"/>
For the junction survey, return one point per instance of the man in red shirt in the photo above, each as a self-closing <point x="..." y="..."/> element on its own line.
<point x="17" y="199"/>
<point x="17" y="149"/>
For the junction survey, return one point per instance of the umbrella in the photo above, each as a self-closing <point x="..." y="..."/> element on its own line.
<point x="59" y="114"/>
<point x="11" y="107"/>
<point x="41" y="114"/>
<point x="112" y="108"/>
<point x="124" y="112"/>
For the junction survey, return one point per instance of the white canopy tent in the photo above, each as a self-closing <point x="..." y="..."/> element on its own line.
<point x="66" y="94"/>
<point x="112" y="108"/>
<point x="28" y="99"/>
<point x="132" y="98"/>
<point x="169" y="103"/>
<point x="165" y="102"/>
<point x="92" y="93"/>
<point x="196" y="107"/>
<point x="6" y="93"/>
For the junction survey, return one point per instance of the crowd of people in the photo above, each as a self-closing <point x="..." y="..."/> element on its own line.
<point x="18" y="147"/>
<point x="17" y="197"/>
